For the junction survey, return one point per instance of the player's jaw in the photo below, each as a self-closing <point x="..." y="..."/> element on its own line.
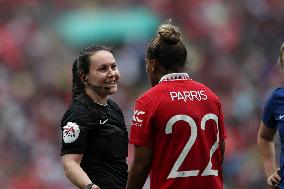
<point x="153" y="78"/>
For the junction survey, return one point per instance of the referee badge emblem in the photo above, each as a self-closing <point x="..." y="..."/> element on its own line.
<point x="70" y="132"/>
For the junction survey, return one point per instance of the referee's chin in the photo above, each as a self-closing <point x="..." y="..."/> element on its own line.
<point x="112" y="90"/>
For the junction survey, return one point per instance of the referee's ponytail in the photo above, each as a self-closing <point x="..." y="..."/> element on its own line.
<point x="77" y="85"/>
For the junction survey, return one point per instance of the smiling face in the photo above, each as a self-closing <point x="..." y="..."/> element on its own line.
<point x="103" y="73"/>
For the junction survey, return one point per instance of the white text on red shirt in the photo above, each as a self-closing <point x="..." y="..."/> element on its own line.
<point x="188" y="95"/>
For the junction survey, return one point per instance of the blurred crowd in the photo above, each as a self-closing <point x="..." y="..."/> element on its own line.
<point x="233" y="48"/>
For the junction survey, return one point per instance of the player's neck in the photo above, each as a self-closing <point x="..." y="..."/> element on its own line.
<point x="174" y="76"/>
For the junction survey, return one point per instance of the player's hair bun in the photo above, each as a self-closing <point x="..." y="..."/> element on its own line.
<point x="169" y="33"/>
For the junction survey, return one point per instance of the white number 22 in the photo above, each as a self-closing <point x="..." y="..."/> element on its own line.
<point x="168" y="130"/>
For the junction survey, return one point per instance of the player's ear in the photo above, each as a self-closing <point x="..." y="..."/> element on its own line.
<point x="155" y="65"/>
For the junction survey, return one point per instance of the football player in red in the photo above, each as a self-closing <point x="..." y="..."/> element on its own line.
<point x="178" y="126"/>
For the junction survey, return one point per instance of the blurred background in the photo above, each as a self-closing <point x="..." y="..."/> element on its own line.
<point x="233" y="48"/>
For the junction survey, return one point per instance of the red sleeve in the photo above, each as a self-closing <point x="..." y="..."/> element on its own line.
<point x="141" y="132"/>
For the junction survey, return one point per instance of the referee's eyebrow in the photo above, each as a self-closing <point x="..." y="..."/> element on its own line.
<point x="106" y="64"/>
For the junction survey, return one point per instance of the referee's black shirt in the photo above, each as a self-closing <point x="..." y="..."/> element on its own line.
<point x="99" y="133"/>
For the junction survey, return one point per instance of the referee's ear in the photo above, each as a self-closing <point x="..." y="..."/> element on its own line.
<point x="83" y="77"/>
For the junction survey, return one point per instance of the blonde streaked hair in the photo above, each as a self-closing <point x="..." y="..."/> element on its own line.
<point x="281" y="59"/>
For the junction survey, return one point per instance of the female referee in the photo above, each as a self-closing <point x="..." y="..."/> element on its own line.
<point x="94" y="135"/>
<point x="272" y="121"/>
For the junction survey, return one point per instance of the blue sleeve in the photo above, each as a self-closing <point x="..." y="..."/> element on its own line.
<point x="268" y="112"/>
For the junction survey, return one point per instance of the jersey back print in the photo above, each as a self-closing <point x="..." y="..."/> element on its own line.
<point x="183" y="122"/>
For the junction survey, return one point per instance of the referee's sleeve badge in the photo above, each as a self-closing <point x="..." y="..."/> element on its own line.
<point x="71" y="132"/>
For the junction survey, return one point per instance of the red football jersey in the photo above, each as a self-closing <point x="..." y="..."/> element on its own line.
<point x="183" y="122"/>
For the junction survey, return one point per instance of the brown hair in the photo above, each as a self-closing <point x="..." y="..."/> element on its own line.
<point x="167" y="48"/>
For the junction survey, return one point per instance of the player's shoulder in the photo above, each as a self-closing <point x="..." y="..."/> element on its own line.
<point x="278" y="92"/>
<point x="207" y="89"/>
<point x="148" y="96"/>
<point x="199" y="84"/>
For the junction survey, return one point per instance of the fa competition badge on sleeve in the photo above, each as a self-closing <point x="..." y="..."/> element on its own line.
<point x="70" y="132"/>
